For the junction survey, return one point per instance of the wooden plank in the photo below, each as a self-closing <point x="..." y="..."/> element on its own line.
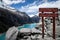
<point x="48" y="15"/>
<point x="48" y="9"/>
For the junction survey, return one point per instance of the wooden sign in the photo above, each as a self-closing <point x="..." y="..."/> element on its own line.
<point x="48" y="9"/>
<point x="48" y="15"/>
<point x="53" y="15"/>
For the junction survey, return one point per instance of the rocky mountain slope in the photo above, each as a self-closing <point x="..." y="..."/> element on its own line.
<point x="11" y="17"/>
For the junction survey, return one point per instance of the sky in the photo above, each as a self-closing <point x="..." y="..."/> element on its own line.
<point x="31" y="7"/>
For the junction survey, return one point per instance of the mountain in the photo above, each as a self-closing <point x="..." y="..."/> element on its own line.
<point x="35" y="19"/>
<point x="11" y="17"/>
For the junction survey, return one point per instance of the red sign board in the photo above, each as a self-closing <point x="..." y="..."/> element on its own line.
<point x="48" y="9"/>
<point x="53" y="15"/>
<point x="48" y="15"/>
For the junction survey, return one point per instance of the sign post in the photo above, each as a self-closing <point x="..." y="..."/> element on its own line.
<point x="53" y="15"/>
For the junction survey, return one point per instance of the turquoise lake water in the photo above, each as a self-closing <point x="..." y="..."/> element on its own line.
<point x="2" y="36"/>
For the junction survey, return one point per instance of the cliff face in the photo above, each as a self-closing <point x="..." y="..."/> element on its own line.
<point x="10" y="18"/>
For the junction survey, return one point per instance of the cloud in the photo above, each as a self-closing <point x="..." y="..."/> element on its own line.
<point x="33" y="9"/>
<point x="9" y="2"/>
<point x="51" y="4"/>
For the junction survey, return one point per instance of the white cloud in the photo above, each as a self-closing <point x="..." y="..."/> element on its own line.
<point x="34" y="8"/>
<point x="34" y="15"/>
<point x="50" y="4"/>
<point x="31" y="8"/>
<point x="9" y="2"/>
<point x="31" y="15"/>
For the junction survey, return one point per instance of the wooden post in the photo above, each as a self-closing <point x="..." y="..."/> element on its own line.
<point x="43" y="27"/>
<point x="53" y="27"/>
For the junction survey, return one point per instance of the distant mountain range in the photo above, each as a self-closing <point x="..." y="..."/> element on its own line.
<point x="35" y="19"/>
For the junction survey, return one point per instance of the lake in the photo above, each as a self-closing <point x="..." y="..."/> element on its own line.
<point x="2" y="36"/>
